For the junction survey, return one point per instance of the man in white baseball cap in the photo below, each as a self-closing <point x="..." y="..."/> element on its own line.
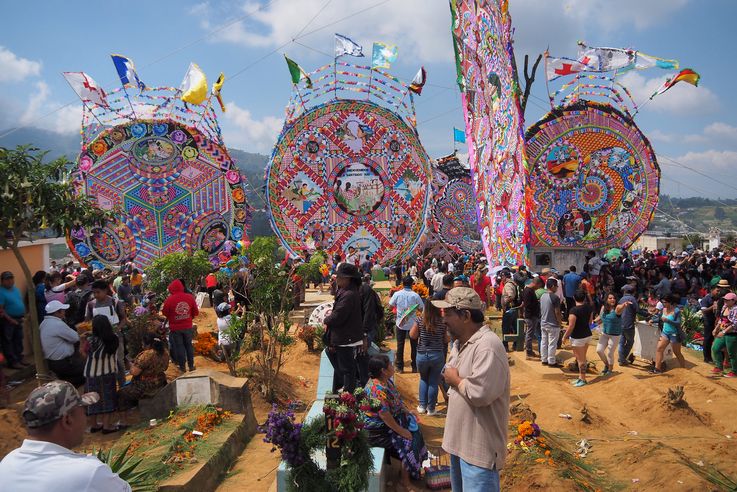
<point x="58" y="342"/>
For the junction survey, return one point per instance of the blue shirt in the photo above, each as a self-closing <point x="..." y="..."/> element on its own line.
<point x="404" y="300"/>
<point x="629" y="315"/>
<point x="612" y="323"/>
<point x="12" y="302"/>
<point x="571" y="281"/>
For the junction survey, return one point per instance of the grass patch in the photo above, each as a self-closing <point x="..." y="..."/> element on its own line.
<point x="170" y="446"/>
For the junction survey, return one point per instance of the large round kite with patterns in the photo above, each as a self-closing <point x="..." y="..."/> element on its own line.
<point x="349" y="177"/>
<point x="454" y="214"/>
<point x="594" y="178"/>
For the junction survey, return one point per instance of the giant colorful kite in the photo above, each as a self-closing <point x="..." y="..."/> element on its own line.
<point x="161" y="165"/>
<point x="349" y="176"/>
<point x="455" y="226"/>
<point x="594" y="177"/>
<point x="494" y="125"/>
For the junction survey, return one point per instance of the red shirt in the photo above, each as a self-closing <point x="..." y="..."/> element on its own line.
<point x="480" y="288"/>
<point x="179" y="308"/>
<point x="211" y="280"/>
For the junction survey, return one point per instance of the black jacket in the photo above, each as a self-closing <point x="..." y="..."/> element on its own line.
<point x="345" y="323"/>
<point x="369" y="301"/>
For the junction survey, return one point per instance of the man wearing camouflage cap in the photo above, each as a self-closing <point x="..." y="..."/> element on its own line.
<point x="55" y="417"/>
<point x="477" y="371"/>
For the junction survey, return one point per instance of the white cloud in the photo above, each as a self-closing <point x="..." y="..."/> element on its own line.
<point x="710" y="173"/>
<point x="421" y="28"/>
<point x="14" y="69"/>
<point x="242" y="131"/>
<point x="609" y="15"/>
<point x="65" y="120"/>
<point x="721" y="131"/>
<point x="682" y="98"/>
<point x="717" y="133"/>
<point x="709" y="160"/>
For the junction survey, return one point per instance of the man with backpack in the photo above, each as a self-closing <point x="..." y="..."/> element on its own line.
<point x="77" y="301"/>
<point x="373" y="314"/>
<point x="103" y="304"/>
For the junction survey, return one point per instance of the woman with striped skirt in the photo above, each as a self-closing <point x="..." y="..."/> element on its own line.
<point x="100" y="372"/>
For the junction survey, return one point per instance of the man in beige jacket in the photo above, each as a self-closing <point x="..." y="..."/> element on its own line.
<point x="477" y="371"/>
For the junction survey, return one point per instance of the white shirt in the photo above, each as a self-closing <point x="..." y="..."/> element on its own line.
<point x="223" y="338"/>
<point x="57" y="339"/>
<point x="430" y="273"/>
<point x="437" y="281"/>
<point x="41" y="465"/>
<point x="451" y="267"/>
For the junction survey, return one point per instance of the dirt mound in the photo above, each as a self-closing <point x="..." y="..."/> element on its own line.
<point x="12" y="430"/>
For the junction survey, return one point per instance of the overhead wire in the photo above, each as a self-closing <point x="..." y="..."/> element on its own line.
<point x="146" y="65"/>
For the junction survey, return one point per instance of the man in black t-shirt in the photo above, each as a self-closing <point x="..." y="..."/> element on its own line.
<point x="531" y="313"/>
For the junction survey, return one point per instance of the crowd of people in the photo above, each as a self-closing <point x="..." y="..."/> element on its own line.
<point x="605" y="294"/>
<point x="472" y="372"/>
<point x="85" y="316"/>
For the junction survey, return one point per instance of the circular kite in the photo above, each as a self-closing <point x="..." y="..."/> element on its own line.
<point x="172" y="189"/>
<point x="351" y="177"/>
<point x="454" y="217"/>
<point x="594" y="178"/>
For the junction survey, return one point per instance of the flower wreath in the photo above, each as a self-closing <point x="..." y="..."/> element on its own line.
<point x="298" y="443"/>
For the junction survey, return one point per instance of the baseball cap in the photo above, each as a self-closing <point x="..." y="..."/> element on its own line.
<point x="730" y="296"/>
<point x="223" y="307"/>
<point x="52" y="401"/>
<point x="54" y="306"/>
<point x="6" y="274"/>
<point x="461" y="298"/>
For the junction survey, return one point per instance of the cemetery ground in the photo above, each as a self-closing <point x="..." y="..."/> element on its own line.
<point x="637" y="436"/>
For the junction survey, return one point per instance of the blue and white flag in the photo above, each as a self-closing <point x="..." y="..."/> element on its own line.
<point x="383" y="55"/>
<point x="346" y="46"/>
<point x="459" y="135"/>
<point x="127" y="72"/>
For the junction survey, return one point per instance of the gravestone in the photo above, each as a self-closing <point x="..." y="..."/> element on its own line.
<point x="193" y="390"/>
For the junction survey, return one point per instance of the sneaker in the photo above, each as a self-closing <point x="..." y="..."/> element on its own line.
<point x="557" y="364"/>
<point x="545" y="363"/>
<point x="730" y="374"/>
<point x="580" y="383"/>
<point x="421" y="409"/>
<point x="655" y="371"/>
<point x="716" y="370"/>
<point x="432" y="412"/>
<point x="606" y="372"/>
<point x="575" y="381"/>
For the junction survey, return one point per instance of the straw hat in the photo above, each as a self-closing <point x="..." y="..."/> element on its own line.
<point x="724" y="284"/>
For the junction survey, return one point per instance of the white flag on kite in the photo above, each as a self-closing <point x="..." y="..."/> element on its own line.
<point x="560" y="67"/>
<point x="346" y="46"/>
<point x="86" y="88"/>
<point x="605" y="59"/>
<point x="194" y="85"/>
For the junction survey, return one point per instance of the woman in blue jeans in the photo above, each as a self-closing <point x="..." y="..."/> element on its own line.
<point x="433" y="338"/>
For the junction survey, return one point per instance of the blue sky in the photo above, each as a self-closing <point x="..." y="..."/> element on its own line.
<point x="688" y="127"/>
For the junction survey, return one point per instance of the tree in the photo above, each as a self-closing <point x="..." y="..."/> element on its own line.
<point x="268" y="316"/>
<point x="39" y="195"/>
<point x="189" y="267"/>
<point x="719" y="213"/>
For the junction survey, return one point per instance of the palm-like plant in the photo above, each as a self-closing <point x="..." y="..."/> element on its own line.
<point x="127" y="468"/>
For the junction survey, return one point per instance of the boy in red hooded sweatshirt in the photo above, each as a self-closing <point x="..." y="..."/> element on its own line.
<point x="180" y="308"/>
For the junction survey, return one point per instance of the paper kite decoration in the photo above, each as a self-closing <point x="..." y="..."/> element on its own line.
<point x="594" y="178"/>
<point x="352" y="177"/>
<point x="454" y="222"/>
<point x="163" y="168"/>
<point x="494" y="126"/>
